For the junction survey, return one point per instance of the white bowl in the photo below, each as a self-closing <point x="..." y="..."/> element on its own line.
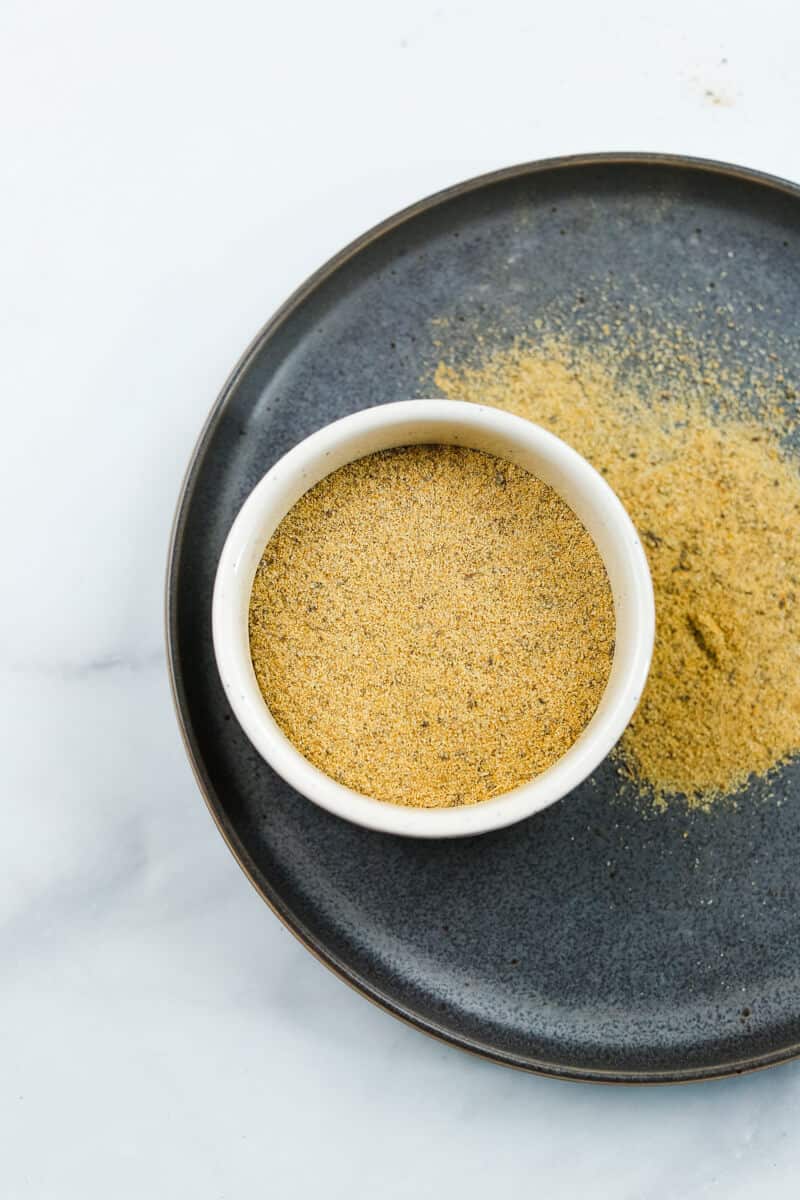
<point x="508" y="437"/>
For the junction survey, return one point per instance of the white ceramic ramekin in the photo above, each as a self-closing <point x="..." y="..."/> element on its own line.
<point x="481" y="428"/>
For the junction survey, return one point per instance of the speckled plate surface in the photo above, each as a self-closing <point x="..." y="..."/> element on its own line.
<point x="595" y="940"/>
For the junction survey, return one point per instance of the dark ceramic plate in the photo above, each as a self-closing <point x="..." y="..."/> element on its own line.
<point x="592" y="941"/>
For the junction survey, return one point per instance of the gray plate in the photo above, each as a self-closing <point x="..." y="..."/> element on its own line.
<point x="591" y="941"/>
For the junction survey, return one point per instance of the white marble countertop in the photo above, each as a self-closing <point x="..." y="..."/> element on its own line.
<point x="171" y="170"/>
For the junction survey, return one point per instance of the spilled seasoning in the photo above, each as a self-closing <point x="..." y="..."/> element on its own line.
<point x="717" y="502"/>
<point x="431" y="626"/>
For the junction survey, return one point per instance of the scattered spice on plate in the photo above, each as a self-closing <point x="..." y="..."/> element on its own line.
<point x="431" y="626"/>
<point x="717" y="502"/>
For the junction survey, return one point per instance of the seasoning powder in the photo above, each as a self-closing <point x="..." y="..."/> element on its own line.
<point x="717" y="503"/>
<point x="431" y="626"/>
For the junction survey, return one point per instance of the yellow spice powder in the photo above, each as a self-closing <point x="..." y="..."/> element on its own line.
<point x="431" y="626"/>
<point x="717" y="503"/>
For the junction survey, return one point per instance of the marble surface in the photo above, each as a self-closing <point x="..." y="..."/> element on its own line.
<point x="170" y="172"/>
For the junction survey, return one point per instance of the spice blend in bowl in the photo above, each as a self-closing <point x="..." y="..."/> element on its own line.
<point x="431" y="626"/>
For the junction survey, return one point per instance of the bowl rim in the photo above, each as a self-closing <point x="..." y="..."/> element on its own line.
<point x="280" y="488"/>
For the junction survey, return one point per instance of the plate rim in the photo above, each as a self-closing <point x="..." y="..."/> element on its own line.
<point x="171" y="623"/>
